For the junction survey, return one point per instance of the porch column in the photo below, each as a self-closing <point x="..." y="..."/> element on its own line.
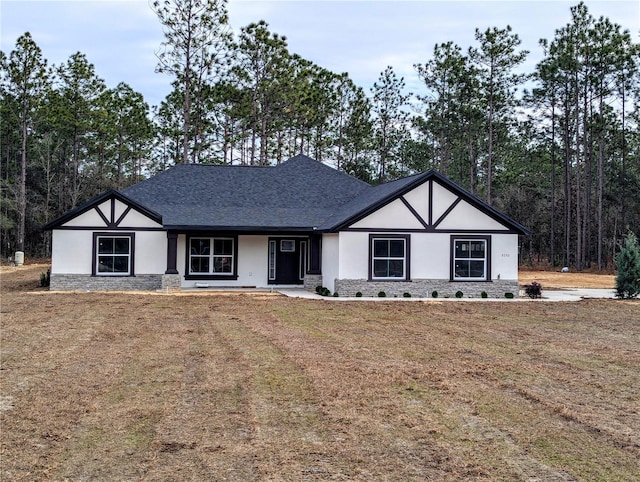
<point x="315" y="254"/>
<point x="172" y="253"/>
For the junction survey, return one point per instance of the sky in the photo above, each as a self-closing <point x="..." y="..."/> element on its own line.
<point x="363" y="37"/>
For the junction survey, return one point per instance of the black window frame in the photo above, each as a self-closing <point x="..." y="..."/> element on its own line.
<point x="407" y="256"/>
<point x="487" y="258"/>
<point x="95" y="254"/>
<point x="232" y="275"/>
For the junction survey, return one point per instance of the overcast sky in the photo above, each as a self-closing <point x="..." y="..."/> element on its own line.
<point x="120" y="37"/>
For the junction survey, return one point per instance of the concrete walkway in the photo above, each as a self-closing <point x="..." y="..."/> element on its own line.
<point x="568" y="294"/>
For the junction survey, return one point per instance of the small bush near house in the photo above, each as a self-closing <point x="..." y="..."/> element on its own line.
<point x="533" y="290"/>
<point x="359" y="294"/>
<point x="45" y="278"/>
<point x="382" y="294"/>
<point x="434" y="294"/>
<point x="508" y="295"/>
<point x="325" y="292"/>
<point x="406" y="295"/>
<point x="484" y="295"/>
<point x="459" y="294"/>
<point x="335" y="294"/>
<point x="319" y="289"/>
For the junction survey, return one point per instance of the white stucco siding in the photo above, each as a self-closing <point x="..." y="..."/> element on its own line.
<point x="330" y="260"/>
<point x="71" y="251"/>
<point x="181" y="254"/>
<point x="253" y="261"/>
<point x="466" y="216"/>
<point x="430" y="256"/>
<point x="251" y="258"/>
<point x="136" y="219"/>
<point x="105" y="207"/>
<point x="419" y="200"/>
<point x="442" y="200"/>
<point x="119" y="209"/>
<point x="353" y="255"/>
<point x="504" y="256"/>
<point x="90" y="218"/>
<point x="394" y="215"/>
<point x="150" y="252"/>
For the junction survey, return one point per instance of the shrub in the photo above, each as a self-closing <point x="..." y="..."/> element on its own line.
<point x="508" y="295"/>
<point x="628" y="265"/>
<point x="325" y="292"/>
<point x="359" y="294"/>
<point x="319" y="289"/>
<point x="382" y="294"/>
<point x="459" y="294"/>
<point x="533" y="290"/>
<point x="45" y="278"/>
<point x="335" y="294"/>
<point x="434" y="294"/>
<point x="484" y="295"/>
<point x="406" y="295"/>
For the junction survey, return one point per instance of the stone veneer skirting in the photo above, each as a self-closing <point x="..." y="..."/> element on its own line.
<point x="422" y="288"/>
<point x="69" y="282"/>
<point x="171" y="282"/>
<point x="311" y="281"/>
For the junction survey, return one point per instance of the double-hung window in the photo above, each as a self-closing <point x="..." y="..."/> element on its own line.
<point x="113" y="254"/>
<point x="211" y="256"/>
<point x="470" y="259"/>
<point x="389" y="257"/>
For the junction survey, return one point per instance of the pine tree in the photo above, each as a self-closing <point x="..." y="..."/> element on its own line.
<point x="628" y="264"/>
<point x="196" y="36"/>
<point x="24" y="79"/>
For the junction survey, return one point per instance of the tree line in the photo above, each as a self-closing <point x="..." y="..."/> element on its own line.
<point x="558" y="149"/>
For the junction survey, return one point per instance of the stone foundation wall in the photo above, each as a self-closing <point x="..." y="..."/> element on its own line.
<point x="171" y="282"/>
<point x="311" y="281"/>
<point x="69" y="282"/>
<point x="422" y="288"/>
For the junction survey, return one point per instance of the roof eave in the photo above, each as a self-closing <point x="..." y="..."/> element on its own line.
<point x="239" y="229"/>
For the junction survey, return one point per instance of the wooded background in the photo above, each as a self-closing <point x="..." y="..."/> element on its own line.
<point x="557" y="149"/>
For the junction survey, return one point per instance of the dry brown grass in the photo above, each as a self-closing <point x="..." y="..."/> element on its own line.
<point x="98" y="386"/>
<point x="559" y="280"/>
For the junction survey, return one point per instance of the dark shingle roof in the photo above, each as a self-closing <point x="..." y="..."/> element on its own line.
<point x="298" y="194"/>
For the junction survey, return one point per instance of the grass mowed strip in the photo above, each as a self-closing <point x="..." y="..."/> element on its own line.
<point x="154" y="387"/>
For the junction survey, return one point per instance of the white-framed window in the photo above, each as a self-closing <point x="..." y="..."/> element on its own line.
<point x="470" y="259"/>
<point x="113" y="254"/>
<point x="389" y="257"/>
<point x="211" y="256"/>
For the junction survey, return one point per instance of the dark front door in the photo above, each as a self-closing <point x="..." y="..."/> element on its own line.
<point x="287" y="260"/>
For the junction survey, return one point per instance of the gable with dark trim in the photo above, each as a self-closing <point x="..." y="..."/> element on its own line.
<point x="112" y="219"/>
<point x="429" y="224"/>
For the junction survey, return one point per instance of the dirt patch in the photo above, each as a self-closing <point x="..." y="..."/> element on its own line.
<point x="559" y="280"/>
<point x="22" y="278"/>
<point x="101" y="386"/>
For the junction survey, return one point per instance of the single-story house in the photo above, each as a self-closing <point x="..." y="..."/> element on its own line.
<point x="300" y="223"/>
